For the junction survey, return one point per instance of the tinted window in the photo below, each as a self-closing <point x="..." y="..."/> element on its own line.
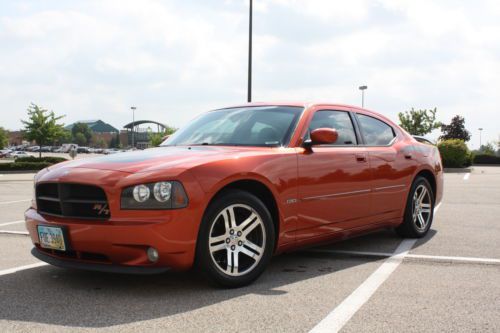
<point x="338" y="120"/>
<point x="247" y="126"/>
<point x="375" y="132"/>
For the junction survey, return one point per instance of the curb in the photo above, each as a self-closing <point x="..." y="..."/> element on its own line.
<point x="458" y="170"/>
<point x="18" y="172"/>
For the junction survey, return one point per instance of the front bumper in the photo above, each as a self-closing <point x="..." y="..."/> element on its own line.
<point x="122" y="245"/>
<point x="108" y="268"/>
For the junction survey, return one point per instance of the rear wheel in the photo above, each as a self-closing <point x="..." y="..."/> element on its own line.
<point x="236" y="239"/>
<point x="419" y="211"/>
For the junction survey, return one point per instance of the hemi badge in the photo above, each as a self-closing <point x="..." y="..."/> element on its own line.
<point x="292" y="201"/>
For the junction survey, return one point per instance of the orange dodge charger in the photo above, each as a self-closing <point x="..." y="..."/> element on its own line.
<point x="234" y="187"/>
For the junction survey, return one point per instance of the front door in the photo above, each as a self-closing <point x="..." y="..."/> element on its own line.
<point x="334" y="180"/>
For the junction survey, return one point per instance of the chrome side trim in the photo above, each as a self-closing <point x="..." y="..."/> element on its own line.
<point x="388" y="187"/>
<point x="322" y="197"/>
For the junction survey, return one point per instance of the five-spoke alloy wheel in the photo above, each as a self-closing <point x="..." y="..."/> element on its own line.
<point x="419" y="210"/>
<point x="422" y="203"/>
<point x="236" y="239"/>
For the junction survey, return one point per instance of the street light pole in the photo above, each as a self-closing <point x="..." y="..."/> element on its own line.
<point x="133" y="124"/>
<point x="363" y="88"/>
<point x="480" y="132"/>
<point x="249" y="93"/>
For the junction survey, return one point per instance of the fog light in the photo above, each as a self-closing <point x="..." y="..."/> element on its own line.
<point x="152" y="254"/>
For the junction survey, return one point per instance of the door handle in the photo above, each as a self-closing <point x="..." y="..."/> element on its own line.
<point x="360" y="158"/>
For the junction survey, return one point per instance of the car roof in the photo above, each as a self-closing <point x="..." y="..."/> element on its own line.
<point x="288" y="103"/>
<point x="310" y="105"/>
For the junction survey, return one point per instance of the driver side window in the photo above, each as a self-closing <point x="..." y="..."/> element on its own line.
<point x="338" y="120"/>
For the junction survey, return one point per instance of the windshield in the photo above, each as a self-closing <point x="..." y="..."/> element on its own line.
<point x="248" y="126"/>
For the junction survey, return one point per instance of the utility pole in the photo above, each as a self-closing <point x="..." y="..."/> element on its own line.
<point x="249" y="96"/>
<point x="133" y="124"/>
<point x="480" y="132"/>
<point x="363" y="88"/>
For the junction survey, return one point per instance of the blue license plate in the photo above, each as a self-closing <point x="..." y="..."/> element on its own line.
<point x="51" y="238"/>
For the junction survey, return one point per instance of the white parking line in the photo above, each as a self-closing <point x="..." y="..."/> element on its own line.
<point x="10" y="232"/>
<point x="336" y="319"/>
<point x="9" y="223"/>
<point x="21" y="268"/>
<point x="466" y="176"/>
<point x="11" y="202"/>
<point x="472" y="260"/>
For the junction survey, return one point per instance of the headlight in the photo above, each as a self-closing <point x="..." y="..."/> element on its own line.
<point x="141" y="193"/>
<point x="165" y="195"/>
<point x="162" y="191"/>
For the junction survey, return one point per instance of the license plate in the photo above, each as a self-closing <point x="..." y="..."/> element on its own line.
<point x="51" y="238"/>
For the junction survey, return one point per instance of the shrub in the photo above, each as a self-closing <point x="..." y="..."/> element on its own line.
<point x="454" y="153"/>
<point x="470" y="159"/>
<point x="486" y="159"/>
<point x="24" y="166"/>
<point x="48" y="159"/>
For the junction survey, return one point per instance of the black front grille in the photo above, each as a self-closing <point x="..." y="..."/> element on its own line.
<point x="72" y="200"/>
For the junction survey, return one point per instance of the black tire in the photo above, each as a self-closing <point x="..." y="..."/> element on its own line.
<point x="205" y="260"/>
<point x="409" y="228"/>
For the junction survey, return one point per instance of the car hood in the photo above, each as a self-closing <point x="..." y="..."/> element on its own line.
<point x="155" y="159"/>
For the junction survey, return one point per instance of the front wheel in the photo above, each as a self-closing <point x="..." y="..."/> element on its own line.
<point x="236" y="239"/>
<point x="419" y="211"/>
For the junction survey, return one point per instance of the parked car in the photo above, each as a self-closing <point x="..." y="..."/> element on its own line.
<point x="110" y="151"/>
<point x="21" y="148"/>
<point x="82" y="150"/>
<point x="5" y="152"/>
<point x="17" y="154"/>
<point x="233" y="188"/>
<point x="66" y="147"/>
<point x="45" y="149"/>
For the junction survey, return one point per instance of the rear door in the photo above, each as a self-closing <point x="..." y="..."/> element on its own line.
<point x="392" y="164"/>
<point x="334" y="180"/>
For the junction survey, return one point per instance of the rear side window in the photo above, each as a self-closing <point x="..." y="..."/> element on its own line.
<point x="338" y="120"/>
<point x="375" y="132"/>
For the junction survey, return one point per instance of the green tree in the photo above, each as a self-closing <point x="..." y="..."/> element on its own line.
<point x="66" y="137"/>
<point x="114" y="142"/>
<point x="100" y="143"/>
<point x="419" y="122"/>
<point x="455" y="130"/>
<point x="155" y="139"/>
<point x="42" y="126"/>
<point x="488" y="149"/>
<point x="84" y="129"/>
<point x="4" y="137"/>
<point x="169" y="130"/>
<point x="80" y="139"/>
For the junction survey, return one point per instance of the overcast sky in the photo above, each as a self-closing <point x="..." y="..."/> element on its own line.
<point x="174" y="59"/>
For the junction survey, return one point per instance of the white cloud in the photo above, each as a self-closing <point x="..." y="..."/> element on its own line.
<point x="345" y="12"/>
<point x="93" y="59"/>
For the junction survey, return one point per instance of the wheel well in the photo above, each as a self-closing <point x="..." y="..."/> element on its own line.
<point x="430" y="178"/>
<point x="262" y="192"/>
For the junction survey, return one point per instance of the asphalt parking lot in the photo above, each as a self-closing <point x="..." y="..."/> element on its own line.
<point x="448" y="281"/>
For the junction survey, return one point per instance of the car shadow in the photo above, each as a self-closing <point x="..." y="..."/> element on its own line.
<point x="50" y="295"/>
